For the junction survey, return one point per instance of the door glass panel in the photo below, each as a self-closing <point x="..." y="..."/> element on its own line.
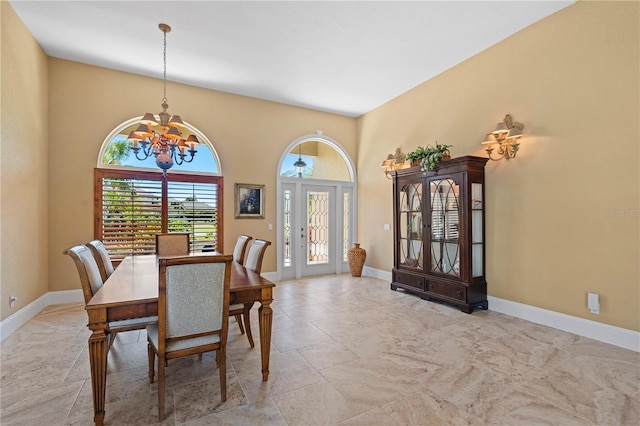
<point x="345" y="226"/>
<point x="410" y="238"/>
<point x="286" y="227"/>
<point x="477" y="222"/>
<point x="318" y="227"/>
<point x="445" y="221"/>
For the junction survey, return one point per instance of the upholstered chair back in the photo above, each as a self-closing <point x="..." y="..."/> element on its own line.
<point x="90" y="277"/>
<point x="256" y="254"/>
<point x="195" y="294"/>
<point x="241" y="248"/>
<point x="172" y="244"/>
<point x="102" y="257"/>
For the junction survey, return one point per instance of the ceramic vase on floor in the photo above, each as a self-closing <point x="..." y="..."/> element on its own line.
<point x="356" y="256"/>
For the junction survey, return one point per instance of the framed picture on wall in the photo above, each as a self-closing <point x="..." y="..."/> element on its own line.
<point x="249" y="201"/>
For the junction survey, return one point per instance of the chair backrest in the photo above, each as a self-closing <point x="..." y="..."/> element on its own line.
<point x="256" y="254"/>
<point x="90" y="277"/>
<point x="172" y="244"/>
<point x="241" y="248"/>
<point x="102" y="257"/>
<point x="193" y="298"/>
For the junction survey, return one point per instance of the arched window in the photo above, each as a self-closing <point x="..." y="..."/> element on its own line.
<point x="135" y="201"/>
<point x="117" y="151"/>
<point x="322" y="160"/>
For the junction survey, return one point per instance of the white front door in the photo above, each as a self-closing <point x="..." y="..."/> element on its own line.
<point x="316" y="227"/>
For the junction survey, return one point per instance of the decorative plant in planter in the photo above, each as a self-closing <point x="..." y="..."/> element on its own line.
<point x="433" y="156"/>
<point x="415" y="157"/>
<point x="429" y="156"/>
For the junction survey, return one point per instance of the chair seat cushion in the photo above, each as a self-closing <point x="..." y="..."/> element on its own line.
<point x="152" y="333"/>
<point x="132" y="322"/>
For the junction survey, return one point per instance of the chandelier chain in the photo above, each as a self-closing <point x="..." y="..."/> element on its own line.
<point x="163" y="138"/>
<point x="164" y="76"/>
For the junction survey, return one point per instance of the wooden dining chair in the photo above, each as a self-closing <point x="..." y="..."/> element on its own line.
<point x="172" y="244"/>
<point x="253" y="262"/>
<point x="193" y="310"/>
<point x="242" y="242"/>
<point x="238" y="256"/>
<point x="91" y="282"/>
<point x="100" y="253"/>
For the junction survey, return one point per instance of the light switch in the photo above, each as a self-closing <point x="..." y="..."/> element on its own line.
<point x="271" y="227"/>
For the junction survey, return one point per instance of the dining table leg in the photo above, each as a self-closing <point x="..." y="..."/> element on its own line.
<point x="98" y="347"/>
<point x="265" y="317"/>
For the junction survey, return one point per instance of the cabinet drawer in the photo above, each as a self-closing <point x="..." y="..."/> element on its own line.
<point x="409" y="279"/>
<point x="448" y="290"/>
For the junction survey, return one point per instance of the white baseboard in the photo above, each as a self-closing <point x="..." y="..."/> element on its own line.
<point x="20" y="318"/>
<point x="617" y="336"/>
<point x="271" y="276"/>
<point x="65" y="296"/>
<point x="376" y="273"/>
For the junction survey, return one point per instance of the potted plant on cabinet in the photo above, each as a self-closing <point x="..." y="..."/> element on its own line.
<point x="433" y="155"/>
<point x="416" y="156"/>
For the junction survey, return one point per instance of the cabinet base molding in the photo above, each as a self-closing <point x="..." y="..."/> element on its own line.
<point x="449" y="293"/>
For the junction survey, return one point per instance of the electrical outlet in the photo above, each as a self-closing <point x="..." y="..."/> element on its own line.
<point x="593" y="302"/>
<point x="12" y="300"/>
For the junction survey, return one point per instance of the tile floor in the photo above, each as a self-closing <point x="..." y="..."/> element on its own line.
<point x="345" y="351"/>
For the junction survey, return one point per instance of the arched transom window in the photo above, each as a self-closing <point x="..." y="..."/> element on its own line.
<point x="117" y="151"/>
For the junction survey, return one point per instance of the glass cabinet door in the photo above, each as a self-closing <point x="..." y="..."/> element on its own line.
<point x="477" y="221"/>
<point x="445" y="224"/>
<point x="410" y="229"/>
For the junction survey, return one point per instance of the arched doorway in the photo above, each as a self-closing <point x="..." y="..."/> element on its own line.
<point x="316" y="210"/>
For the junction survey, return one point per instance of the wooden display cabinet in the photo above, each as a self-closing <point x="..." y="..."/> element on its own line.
<point x="439" y="238"/>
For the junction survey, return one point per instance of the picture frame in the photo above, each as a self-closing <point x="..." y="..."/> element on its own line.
<point x="249" y="201"/>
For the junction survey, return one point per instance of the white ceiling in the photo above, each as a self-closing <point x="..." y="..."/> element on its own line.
<point x="336" y="56"/>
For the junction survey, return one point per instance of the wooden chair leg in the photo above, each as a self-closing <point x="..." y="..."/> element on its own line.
<point x="112" y="338"/>
<point x="161" y="362"/>
<point x="239" y="319"/>
<point x="222" y="366"/>
<point x="152" y="360"/>
<point x="247" y="323"/>
<point x="199" y="357"/>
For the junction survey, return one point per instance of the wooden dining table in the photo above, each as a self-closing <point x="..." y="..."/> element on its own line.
<point x="132" y="292"/>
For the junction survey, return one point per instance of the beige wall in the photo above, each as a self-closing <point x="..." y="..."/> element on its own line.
<point x="250" y="136"/>
<point x="23" y="165"/>
<point x="573" y="80"/>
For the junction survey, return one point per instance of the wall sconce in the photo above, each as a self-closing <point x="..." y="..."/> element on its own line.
<point x="394" y="162"/>
<point x="506" y="135"/>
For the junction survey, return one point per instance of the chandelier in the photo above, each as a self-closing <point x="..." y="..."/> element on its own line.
<point x="161" y="135"/>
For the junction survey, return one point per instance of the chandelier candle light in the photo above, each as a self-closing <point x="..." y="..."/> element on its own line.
<point x="163" y="139"/>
